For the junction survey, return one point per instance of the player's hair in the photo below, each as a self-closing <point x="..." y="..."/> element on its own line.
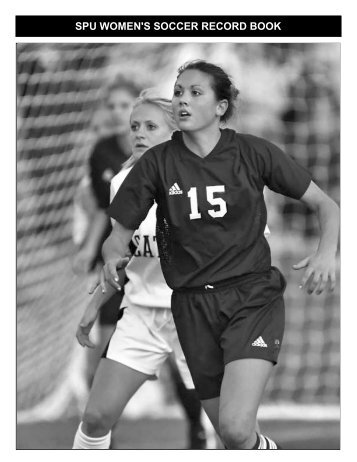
<point x="153" y="96"/>
<point x="222" y="83"/>
<point x="121" y="83"/>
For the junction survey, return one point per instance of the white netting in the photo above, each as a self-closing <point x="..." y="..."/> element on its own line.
<point x="289" y="94"/>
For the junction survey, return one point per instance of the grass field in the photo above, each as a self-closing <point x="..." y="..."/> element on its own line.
<point x="171" y="434"/>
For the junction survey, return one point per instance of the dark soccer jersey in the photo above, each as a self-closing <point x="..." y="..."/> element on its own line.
<point x="211" y="212"/>
<point x="105" y="162"/>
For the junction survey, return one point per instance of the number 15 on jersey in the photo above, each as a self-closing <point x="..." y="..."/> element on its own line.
<point x="210" y="197"/>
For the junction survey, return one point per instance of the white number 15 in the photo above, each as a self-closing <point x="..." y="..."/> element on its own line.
<point x="210" y="191"/>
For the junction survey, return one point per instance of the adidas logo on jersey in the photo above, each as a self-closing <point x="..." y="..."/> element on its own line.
<point x="175" y="189"/>
<point x="259" y="342"/>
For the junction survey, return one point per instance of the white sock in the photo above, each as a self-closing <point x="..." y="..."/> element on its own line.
<point x="83" y="441"/>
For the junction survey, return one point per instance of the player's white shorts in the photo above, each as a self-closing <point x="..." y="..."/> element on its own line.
<point x="143" y="340"/>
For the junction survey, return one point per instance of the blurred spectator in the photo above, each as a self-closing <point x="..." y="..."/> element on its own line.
<point x="93" y="196"/>
<point x="106" y="160"/>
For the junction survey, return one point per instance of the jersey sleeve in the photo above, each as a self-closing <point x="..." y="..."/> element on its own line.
<point x="113" y="190"/>
<point x="136" y="194"/>
<point x="117" y="180"/>
<point x="280" y="172"/>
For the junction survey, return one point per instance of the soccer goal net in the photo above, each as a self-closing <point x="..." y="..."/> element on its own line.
<point x="289" y="94"/>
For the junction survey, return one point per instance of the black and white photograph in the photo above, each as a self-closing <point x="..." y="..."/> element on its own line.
<point x="178" y="253"/>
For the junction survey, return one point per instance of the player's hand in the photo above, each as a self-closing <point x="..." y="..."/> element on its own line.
<point x="109" y="273"/>
<point x="85" y="326"/>
<point x="320" y="272"/>
<point x="94" y="279"/>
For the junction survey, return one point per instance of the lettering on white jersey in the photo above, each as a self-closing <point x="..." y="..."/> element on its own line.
<point x="145" y="245"/>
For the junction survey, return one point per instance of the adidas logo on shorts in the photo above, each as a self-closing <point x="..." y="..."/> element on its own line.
<point x="175" y="189"/>
<point x="259" y="342"/>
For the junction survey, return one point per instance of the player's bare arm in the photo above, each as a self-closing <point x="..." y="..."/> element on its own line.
<point x="90" y="315"/>
<point x="85" y="256"/>
<point x="97" y="301"/>
<point x="114" y="252"/>
<point x="321" y="266"/>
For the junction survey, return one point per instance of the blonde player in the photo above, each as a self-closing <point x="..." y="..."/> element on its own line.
<point x="145" y="336"/>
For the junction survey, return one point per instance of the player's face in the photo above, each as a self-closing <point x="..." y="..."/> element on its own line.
<point x="120" y="103"/>
<point x="148" y="127"/>
<point x="194" y="102"/>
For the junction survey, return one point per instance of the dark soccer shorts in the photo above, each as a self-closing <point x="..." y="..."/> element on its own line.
<point x="109" y="314"/>
<point x="235" y="319"/>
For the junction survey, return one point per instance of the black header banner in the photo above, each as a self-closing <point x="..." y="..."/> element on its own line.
<point x="178" y="26"/>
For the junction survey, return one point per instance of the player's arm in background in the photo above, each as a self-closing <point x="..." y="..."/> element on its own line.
<point x="99" y="298"/>
<point x="85" y="258"/>
<point x="87" y="255"/>
<point x="114" y="252"/>
<point x="90" y="315"/>
<point x="321" y="265"/>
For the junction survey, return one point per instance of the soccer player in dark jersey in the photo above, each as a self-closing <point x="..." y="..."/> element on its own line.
<point x="108" y="155"/>
<point x="227" y="299"/>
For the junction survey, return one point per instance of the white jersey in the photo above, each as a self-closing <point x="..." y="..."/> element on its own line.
<point x="146" y="286"/>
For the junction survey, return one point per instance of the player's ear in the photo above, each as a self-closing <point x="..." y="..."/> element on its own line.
<point x="221" y="107"/>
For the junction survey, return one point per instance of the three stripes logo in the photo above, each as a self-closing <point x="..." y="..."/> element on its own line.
<point x="259" y="342"/>
<point x="266" y="443"/>
<point x="175" y="189"/>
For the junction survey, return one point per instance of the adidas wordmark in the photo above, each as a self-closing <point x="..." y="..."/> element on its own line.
<point x="175" y="189"/>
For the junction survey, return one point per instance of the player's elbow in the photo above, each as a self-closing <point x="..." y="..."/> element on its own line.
<point x="319" y="201"/>
<point x="330" y="208"/>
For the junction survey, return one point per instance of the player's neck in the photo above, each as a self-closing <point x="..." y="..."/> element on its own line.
<point x="202" y="142"/>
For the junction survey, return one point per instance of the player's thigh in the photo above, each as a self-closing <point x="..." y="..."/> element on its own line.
<point x="242" y="389"/>
<point x="113" y="386"/>
<point x="199" y="335"/>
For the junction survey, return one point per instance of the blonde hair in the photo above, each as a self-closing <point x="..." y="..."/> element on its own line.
<point x="153" y="96"/>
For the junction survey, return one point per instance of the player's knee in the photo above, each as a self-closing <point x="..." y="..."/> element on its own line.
<point x="236" y="431"/>
<point x="96" y="422"/>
